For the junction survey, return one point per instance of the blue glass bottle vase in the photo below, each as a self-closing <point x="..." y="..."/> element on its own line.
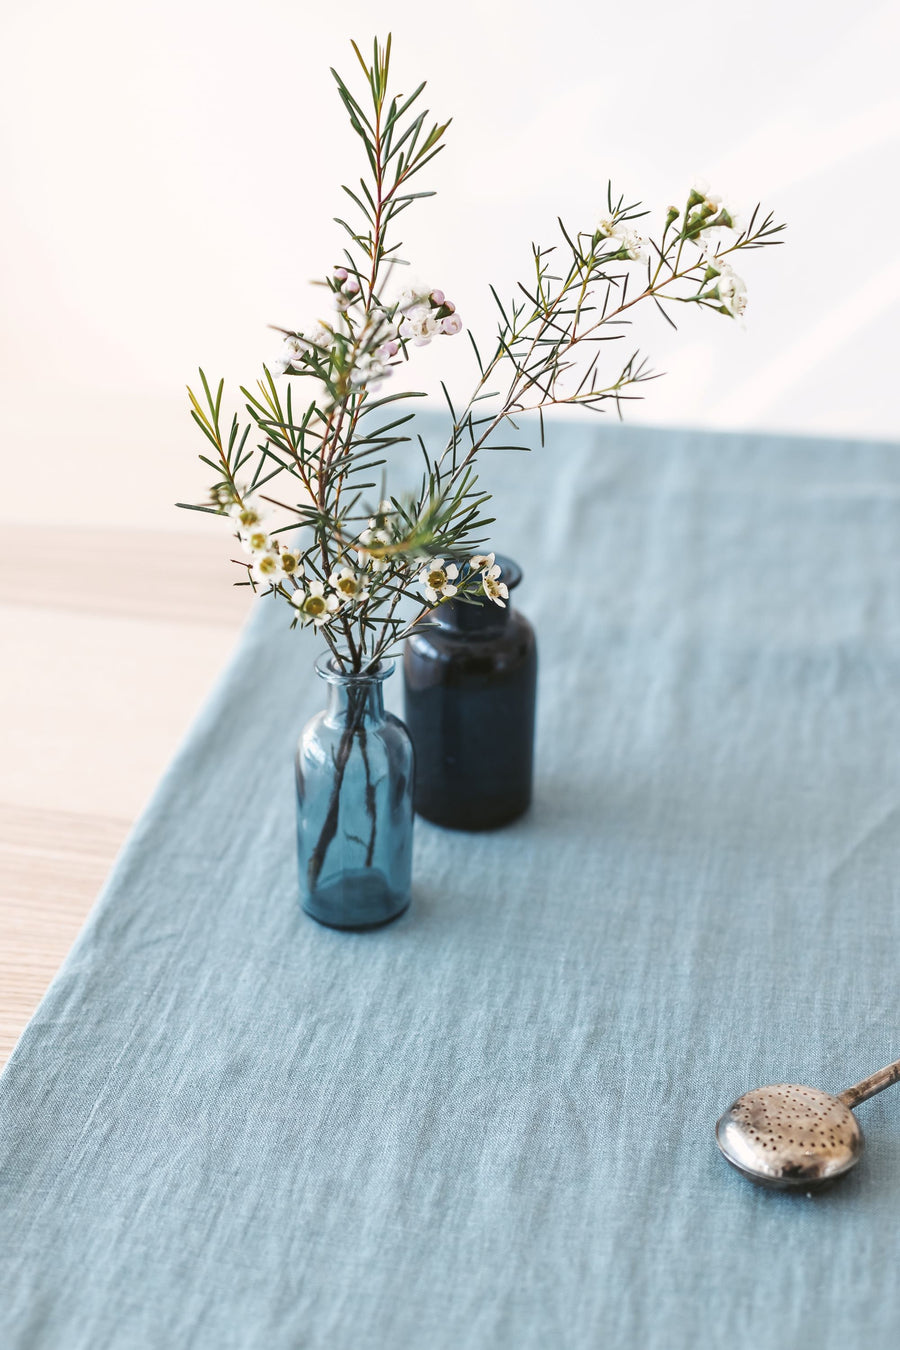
<point x="354" y="804"/>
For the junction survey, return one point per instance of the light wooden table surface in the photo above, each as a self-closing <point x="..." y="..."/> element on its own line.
<point x="113" y="639"/>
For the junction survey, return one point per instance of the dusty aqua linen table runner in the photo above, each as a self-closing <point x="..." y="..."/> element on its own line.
<point x="489" y="1126"/>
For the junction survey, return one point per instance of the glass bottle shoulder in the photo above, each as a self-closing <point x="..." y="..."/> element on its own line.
<point x="435" y="642"/>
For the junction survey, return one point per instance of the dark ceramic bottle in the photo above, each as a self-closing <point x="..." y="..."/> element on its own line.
<point x="470" y="681"/>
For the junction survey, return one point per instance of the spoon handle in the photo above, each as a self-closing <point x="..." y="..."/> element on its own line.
<point x="876" y="1082"/>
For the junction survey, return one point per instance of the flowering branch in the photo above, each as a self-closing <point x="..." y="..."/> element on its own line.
<point x="354" y="564"/>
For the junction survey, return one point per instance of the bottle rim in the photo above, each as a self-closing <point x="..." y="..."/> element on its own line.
<point x="328" y="670"/>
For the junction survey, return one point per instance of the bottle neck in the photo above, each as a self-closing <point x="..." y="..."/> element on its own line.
<point x="361" y="699"/>
<point x="356" y="698"/>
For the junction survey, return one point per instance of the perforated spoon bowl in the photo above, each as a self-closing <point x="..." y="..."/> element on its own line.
<point x="793" y="1137"/>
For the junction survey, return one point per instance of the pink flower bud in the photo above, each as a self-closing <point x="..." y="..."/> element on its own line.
<point x="449" y="306"/>
<point x="452" y="324"/>
<point x="340" y="274"/>
<point x="351" y="286"/>
<point x="437" y="298"/>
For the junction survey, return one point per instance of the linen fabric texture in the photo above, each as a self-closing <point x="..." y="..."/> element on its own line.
<point x="490" y="1125"/>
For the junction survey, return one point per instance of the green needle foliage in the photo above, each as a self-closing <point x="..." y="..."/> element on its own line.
<point x="307" y="465"/>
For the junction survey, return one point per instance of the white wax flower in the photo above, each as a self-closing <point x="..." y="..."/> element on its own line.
<point x="319" y="336"/>
<point x="726" y="209"/>
<point x="255" y="540"/>
<point x="436" y="580"/>
<point x="622" y="238"/>
<point x="349" y="588"/>
<point x="632" y="243"/>
<point x="314" y="605"/>
<point x="494" y="589"/>
<point x="373" y="536"/>
<point x="291" y="348"/>
<point x="247" y="513"/>
<point x="420" y="326"/>
<point x="266" y="570"/>
<point x="732" y="290"/>
<point x="290" y="563"/>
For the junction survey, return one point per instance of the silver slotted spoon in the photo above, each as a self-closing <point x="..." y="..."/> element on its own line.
<point x="789" y="1136"/>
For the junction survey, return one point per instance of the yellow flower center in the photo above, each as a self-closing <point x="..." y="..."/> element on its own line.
<point x="436" y="578"/>
<point x="289" y="563"/>
<point x="267" y="565"/>
<point x="347" y="585"/>
<point x="258" y="539"/>
<point x="315" y="605"/>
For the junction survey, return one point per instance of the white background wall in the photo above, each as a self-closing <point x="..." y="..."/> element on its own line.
<point x="170" y="171"/>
